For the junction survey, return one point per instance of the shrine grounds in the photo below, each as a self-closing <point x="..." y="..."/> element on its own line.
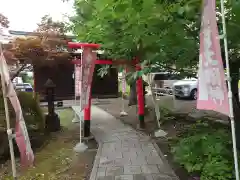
<point x="55" y="159"/>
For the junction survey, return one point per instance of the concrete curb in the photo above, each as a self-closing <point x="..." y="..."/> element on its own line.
<point x="93" y="175"/>
<point x="164" y="159"/>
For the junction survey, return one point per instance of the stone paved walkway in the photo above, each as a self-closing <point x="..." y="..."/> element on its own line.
<point x="125" y="154"/>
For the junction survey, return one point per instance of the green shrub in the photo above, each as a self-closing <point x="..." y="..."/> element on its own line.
<point x="33" y="117"/>
<point x="31" y="110"/>
<point x="208" y="153"/>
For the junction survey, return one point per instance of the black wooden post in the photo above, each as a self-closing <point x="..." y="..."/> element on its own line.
<point x="52" y="120"/>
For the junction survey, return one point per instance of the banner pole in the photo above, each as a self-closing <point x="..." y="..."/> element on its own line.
<point x="229" y="91"/>
<point x="9" y="130"/>
<point x="81" y="147"/>
<point x="80" y="103"/>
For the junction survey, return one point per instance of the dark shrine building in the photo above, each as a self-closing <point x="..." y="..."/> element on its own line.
<point x="62" y="77"/>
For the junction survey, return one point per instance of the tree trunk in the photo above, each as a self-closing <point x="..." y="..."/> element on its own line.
<point x="17" y="71"/>
<point x="234" y="70"/>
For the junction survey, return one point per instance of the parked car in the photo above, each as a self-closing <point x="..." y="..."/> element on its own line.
<point x="163" y="81"/>
<point x="24" y="87"/>
<point x="186" y="88"/>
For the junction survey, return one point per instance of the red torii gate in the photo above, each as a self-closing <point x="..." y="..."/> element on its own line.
<point x="139" y="85"/>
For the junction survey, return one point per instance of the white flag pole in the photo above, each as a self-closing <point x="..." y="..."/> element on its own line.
<point x="80" y="147"/>
<point x="9" y="130"/>
<point x="80" y="103"/>
<point x="229" y="90"/>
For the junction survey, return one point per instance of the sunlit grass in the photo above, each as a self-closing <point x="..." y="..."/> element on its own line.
<point x="54" y="158"/>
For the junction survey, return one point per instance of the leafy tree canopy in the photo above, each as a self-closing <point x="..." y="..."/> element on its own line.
<point x="48" y="42"/>
<point x="158" y="31"/>
<point x="153" y="30"/>
<point x="46" y="46"/>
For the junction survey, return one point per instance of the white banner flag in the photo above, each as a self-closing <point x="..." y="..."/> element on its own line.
<point x="22" y="138"/>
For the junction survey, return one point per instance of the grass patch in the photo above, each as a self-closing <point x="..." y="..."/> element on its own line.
<point x="66" y="117"/>
<point x="56" y="159"/>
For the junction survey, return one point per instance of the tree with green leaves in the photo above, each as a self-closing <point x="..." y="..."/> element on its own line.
<point x="143" y="29"/>
<point x="161" y="33"/>
<point x="146" y="29"/>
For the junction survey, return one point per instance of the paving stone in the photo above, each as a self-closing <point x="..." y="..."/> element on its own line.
<point x="143" y="153"/>
<point x="106" y="151"/>
<point x="133" y="141"/>
<point x="150" y="169"/>
<point x="154" y="160"/>
<point x="127" y="144"/>
<point x="146" y="144"/>
<point x="123" y="149"/>
<point x="144" y="139"/>
<point x="109" y="145"/>
<point x="126" y="154"/>
<point x="107" y="163"/>
<point x="103" y="159"/>
<point x="124" y="177"/>
<point x="110" y="139"/>
<point x="148" y="149"/>
<point x="139" y="160"/>
<point x="105" y="178"/>
<point x="142" y="177"/>
<point x="114" y="171"/>
<point x="130" y="154"/>
<point x="163" y="177"/>
<point x="114" y="155"/>
<point x="122" y="161"/>
<point x="136" y="149"/>
<point x="132" y="169"/>
<point x="101" y="171"/>
<point x="154" y="153"/>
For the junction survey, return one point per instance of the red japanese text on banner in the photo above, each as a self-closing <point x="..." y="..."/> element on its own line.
<point x="77" y="78"/>
<point x="212" y="88"/>
<point x="88" y="63"/>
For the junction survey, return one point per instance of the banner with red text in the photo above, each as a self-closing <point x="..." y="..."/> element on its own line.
<point x="88" y="65"/>
<point x="77" y="78"/>
<point x="22" y="138"/>
<point x="212" y="88"/>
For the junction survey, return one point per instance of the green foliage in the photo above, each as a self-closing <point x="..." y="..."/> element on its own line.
<point x="206" y="151"/>
<point x="155" y="31"/>
<point x="31" y="108"/>
<point x="103" y="71"/>
<point x="32" y="111"/>
<point x="162" y="33"/>
<point x="26" y="78"/>
<point x="166" y="115"/>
